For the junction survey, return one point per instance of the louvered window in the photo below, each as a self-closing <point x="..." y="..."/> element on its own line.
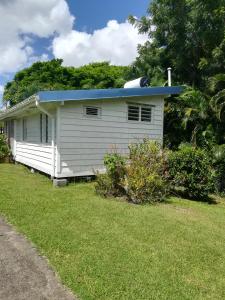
<point x="92" y="111"/>
<point x="133" y="113"/>
<point x="146" y="113"/>
<point x="139" y="113"/>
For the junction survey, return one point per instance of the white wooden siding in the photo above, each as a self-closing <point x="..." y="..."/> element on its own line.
<point x="32" y="152"/>
<point x="85" y="140"/>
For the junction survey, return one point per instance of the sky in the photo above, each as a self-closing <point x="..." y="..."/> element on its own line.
<point x="78" y="31"/>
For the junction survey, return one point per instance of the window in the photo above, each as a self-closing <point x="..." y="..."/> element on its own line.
<point x="24" y="129"/>
<point x="146" y="113"/>
<point x="92" y="111"/>
<point x="41" y="128"/>
<point x="133" y="113"/>
<point x="140" y="112"/>
<point x="44" y="128"/>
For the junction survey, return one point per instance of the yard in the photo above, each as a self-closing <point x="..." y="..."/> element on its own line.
<point x="108" y="249"/>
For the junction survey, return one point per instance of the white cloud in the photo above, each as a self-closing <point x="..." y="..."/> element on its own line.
<point x="21" y="21"/>
<point x="1" y="89"/>
<point x="21" y="18"/>
<point x="1" y="93"/>
<point x="116" y="43"/>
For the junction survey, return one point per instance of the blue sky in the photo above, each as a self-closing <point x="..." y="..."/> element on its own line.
<point x="94" y="14"/>
<point x="79" y="31"/>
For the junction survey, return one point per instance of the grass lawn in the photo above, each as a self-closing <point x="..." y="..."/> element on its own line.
<point x="106" y="249"/>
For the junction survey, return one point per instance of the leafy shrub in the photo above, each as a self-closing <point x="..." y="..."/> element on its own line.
<point x="218" y="154"/>
<point x="104" y="186"/>
<point x="4" y="148"/>
<point x="190" y="169"/>
<point x="140" y="178"/>
<point x="110" y="184"/>
<point x="144" y="180"/>
<point x="115" y="166"/>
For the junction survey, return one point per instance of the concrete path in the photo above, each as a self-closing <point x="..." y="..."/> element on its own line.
<point x="24" y="275"/>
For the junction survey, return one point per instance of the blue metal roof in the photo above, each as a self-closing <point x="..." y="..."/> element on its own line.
<point x="71" y="95"/>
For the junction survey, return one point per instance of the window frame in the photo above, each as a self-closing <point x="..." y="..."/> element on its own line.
<point x="41" y="128"/>
<point x="140" y="107"/>
<point x="98" y="116"/>
<point x="44" y="129"/>
<point x="24" y="129"/>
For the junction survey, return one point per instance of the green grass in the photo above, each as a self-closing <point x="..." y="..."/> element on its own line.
<point x="106" y="249"/>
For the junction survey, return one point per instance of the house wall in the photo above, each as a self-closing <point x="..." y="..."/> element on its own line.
<point x="83" y="141"/>
<point x="33" y="152"/>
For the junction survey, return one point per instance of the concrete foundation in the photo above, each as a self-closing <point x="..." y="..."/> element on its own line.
<point x="60" y="182"/>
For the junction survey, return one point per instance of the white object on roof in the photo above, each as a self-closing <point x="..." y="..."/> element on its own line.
<point x="137" y="83"/>
<point x="169" y="76"/>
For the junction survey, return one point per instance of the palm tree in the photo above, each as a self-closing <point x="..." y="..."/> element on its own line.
<point x="196" y="115"/>
<point x="217" y="86"/>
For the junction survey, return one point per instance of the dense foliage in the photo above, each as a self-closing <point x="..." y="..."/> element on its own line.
<point x="4" y="148"/>
<point x="139" y="177"/>
<point x="51" y="75"/>
<point x="144" y="180"/>
<point x="188" y="36"/>
<point x="218" y="158"/>
<point x="190" y="171"/>
<point x="110" y="183"/>
<point x="149" y="174"/>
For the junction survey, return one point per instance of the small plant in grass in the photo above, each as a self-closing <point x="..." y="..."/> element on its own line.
<point x="4" y="148"/>
<point x="190" y="171"/>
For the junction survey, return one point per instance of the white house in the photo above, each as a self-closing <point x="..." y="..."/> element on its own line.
<point x="67" y="133"/>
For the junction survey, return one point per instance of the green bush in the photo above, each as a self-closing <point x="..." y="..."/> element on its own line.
<point x="190" y="171"/>
<point x="218" y="155"/>
<point x="115" y="166"/>
<point x="138" y="177"/>
<point x="4" y="148"/>
<point x="104" y="185"/>
<point x="110" y="184"/>
<point x="144" y="180"/>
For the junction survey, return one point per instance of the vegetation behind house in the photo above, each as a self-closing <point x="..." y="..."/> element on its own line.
<point x="52" y="75"/>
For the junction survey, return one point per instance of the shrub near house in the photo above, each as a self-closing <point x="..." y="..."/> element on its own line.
<point x="4" y="148"/>
<point x="145" y="180"/>
<point x="190" y="169"/>
<point x="218" y="159"/>
<point x="139" y="177"/>
<point x="149" y="173"/>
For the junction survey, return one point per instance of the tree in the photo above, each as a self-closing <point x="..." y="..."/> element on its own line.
<point x="51" y="75"/>
<point x="189" y="36"/>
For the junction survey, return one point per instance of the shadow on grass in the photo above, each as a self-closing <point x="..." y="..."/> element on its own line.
<point x="211" y="199"/>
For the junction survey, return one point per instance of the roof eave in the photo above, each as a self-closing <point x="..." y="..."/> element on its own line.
<point x="19" y="108"/>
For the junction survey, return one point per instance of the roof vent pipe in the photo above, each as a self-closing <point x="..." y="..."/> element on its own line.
<point x="137" y="83"/>
<point x="169" y="77"/>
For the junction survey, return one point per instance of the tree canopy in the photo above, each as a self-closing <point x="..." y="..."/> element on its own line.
<point x="189" y="36"/>
<point x="51" y="75"/>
